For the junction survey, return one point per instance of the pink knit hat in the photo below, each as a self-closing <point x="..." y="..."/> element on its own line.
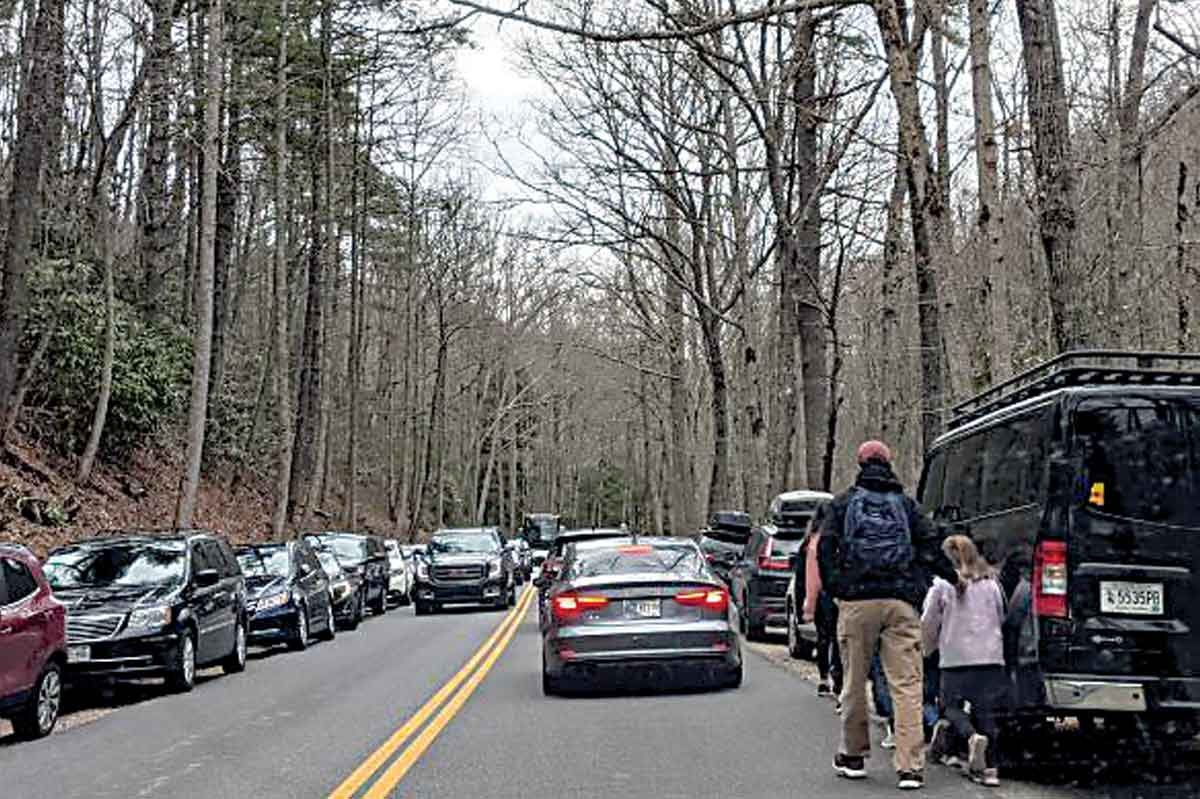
<point x="874" y="451"/>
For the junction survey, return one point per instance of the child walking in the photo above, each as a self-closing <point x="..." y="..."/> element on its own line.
<point x="820" y="610"/>
<point x="965" y="626"/>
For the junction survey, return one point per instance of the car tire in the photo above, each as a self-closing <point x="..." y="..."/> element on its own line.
<point x="357" y="616"/>
<point x="40" y="714"/>
<point x="298" y="640"/>
<point x="330" y="631"/>
<point x="235" y="661"/>
<point x="755" y="632"/>
<point x="798" y="647"/>
<point x="733" y="680"/>
<point x="512" y="596"/>
<point x="182" y="676"/>
<point x="422" y="609"/>
<point x="551" y="686"/>
<point x="381" y="605"/>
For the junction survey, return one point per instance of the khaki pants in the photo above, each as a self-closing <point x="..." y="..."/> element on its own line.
<point x="896" y="627"/>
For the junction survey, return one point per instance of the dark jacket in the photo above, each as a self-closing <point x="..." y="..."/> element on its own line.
<point x="911" y="585"/>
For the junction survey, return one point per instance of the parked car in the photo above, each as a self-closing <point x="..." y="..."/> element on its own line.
<point x="759" y="579"/>
<point x="364" y="556"/>
<point x="287" y="592"/>
<point x="345" y="591"/>
<point x="723" y="540"/>
<point x="630" y="607"/>
<point x="141" y="605"/>
<point x="802" y="635"/>
<point x="465" y="566"/>
<point x="399" y="579"/>
<point x="33" y="645"/>
<point x="1082" y="478"/>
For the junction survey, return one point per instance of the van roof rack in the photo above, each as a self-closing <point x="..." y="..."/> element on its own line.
<point x="1080" y="368"/>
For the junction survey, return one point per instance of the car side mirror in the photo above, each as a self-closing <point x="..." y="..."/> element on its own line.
<point x="207" y="578"/>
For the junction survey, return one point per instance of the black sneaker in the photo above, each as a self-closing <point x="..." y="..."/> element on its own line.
<point x="824" y="690"/>
<point x="910" y="781"/>
<point x="852" y="768"/>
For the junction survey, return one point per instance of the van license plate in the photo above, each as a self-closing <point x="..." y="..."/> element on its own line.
<point x="79" y="654"/>
<point x="1135" y="599"/>
<point x="643" y="609"/>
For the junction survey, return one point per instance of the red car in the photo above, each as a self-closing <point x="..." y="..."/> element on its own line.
<point x="33" y="644"/>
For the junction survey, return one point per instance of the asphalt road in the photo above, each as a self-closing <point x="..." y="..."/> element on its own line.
<point x="339" y="720"/>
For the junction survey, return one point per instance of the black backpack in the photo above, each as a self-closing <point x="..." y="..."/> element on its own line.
<point x="877" y="541"/>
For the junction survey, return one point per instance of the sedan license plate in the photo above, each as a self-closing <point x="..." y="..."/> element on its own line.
<point x="643" y="609"/>
<point x="79" y="654"/>
<point x="1135" y="599"/>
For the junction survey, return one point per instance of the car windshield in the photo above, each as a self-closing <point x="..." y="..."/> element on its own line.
<point x="133" y="564"/>
<point x="637" y="559"/>
<point x="329" y="562"/>
<point x="350" y="550"/>
<point x="727" y="536"/>
<point x="463" y="544"/>
<point x="1142" y="458"/>
<point x="265" y="561"/>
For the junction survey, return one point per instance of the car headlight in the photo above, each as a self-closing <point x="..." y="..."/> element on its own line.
<point x="150" y="618"/>
<point x="494" y="568"/>
<point x="422" y="571"/>
<point x="273" y="601"/>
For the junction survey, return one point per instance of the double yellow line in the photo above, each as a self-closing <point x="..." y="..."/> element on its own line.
<point x="455" y="691"/>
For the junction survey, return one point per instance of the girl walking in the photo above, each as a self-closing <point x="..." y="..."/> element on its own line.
<point x="820" y="610"/>
<point x="964" y="625"/>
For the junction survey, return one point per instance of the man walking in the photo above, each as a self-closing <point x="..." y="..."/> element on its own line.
<point x="878" y="556"/>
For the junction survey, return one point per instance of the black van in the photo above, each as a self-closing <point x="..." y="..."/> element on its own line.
<point x="1081" y="479"/>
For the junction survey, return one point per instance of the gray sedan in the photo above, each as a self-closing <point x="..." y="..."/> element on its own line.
<point x="630" y="608"/>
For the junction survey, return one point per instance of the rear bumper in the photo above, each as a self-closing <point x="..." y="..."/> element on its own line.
<point x="1073" y="693"/>
<point x="586" y="650"/>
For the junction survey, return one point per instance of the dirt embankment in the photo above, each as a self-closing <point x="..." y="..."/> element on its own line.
<point x="41" y="505"/>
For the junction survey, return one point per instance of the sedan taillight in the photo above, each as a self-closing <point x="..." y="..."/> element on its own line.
<point x="711" y="598"/>
<point x="571" y="606"/>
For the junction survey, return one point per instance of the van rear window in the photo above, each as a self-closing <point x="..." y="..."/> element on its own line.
<point x="1141" y="458"/>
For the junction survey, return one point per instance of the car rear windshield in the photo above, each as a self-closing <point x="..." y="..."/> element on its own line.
<point x="464" y="544"/>
<point x="1141" y="456"/>
<point x="728" y="536"/>
<point x="637" y="559"/>
<point x="264" y="561"/>
<point x="782" y="546"/>
<point x="119" y="565"/>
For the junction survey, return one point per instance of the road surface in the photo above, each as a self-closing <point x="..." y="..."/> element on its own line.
<point x="390" y="710"/>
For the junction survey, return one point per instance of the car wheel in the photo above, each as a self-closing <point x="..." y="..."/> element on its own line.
<point x="797" y="647"/>
<point x="40" y="714"/>
<point x="235" y="663"/>
<point x="755" y="632"/>
<point x="421" y="608"/>
<point x="734" y="678"/>
<point x="550" y="685"/>
<point x="381" y="605"/>
<point x="298" y="640"/>
<point x="357" y="616"/>
<point x="512" y="596"/>
<point x="330" y="631"/>
<point x="182" y="677"/>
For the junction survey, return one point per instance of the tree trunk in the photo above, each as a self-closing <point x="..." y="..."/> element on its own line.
<point x="39" y="110"/>
<point x="1058" y="205"/>
<point x="1183" y="279"/>
<point x="925" y="214"/>
<point x="202" y="362"/>
<point x="989" y="224"/>
<point x="155" y="196"/>
<point x="281" y="350"/>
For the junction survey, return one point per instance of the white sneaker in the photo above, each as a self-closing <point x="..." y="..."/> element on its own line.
<point x="889" y="736"/>
<point x="977" y="759"/>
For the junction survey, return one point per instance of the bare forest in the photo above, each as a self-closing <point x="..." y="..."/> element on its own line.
<point x="722" y="242"/>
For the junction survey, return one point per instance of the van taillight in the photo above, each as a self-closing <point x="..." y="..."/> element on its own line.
<point x="1050" y="580"/>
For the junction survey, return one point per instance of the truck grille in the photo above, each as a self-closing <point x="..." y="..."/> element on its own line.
<point x="455" y="573"/>
<point x="92" y="628"/>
